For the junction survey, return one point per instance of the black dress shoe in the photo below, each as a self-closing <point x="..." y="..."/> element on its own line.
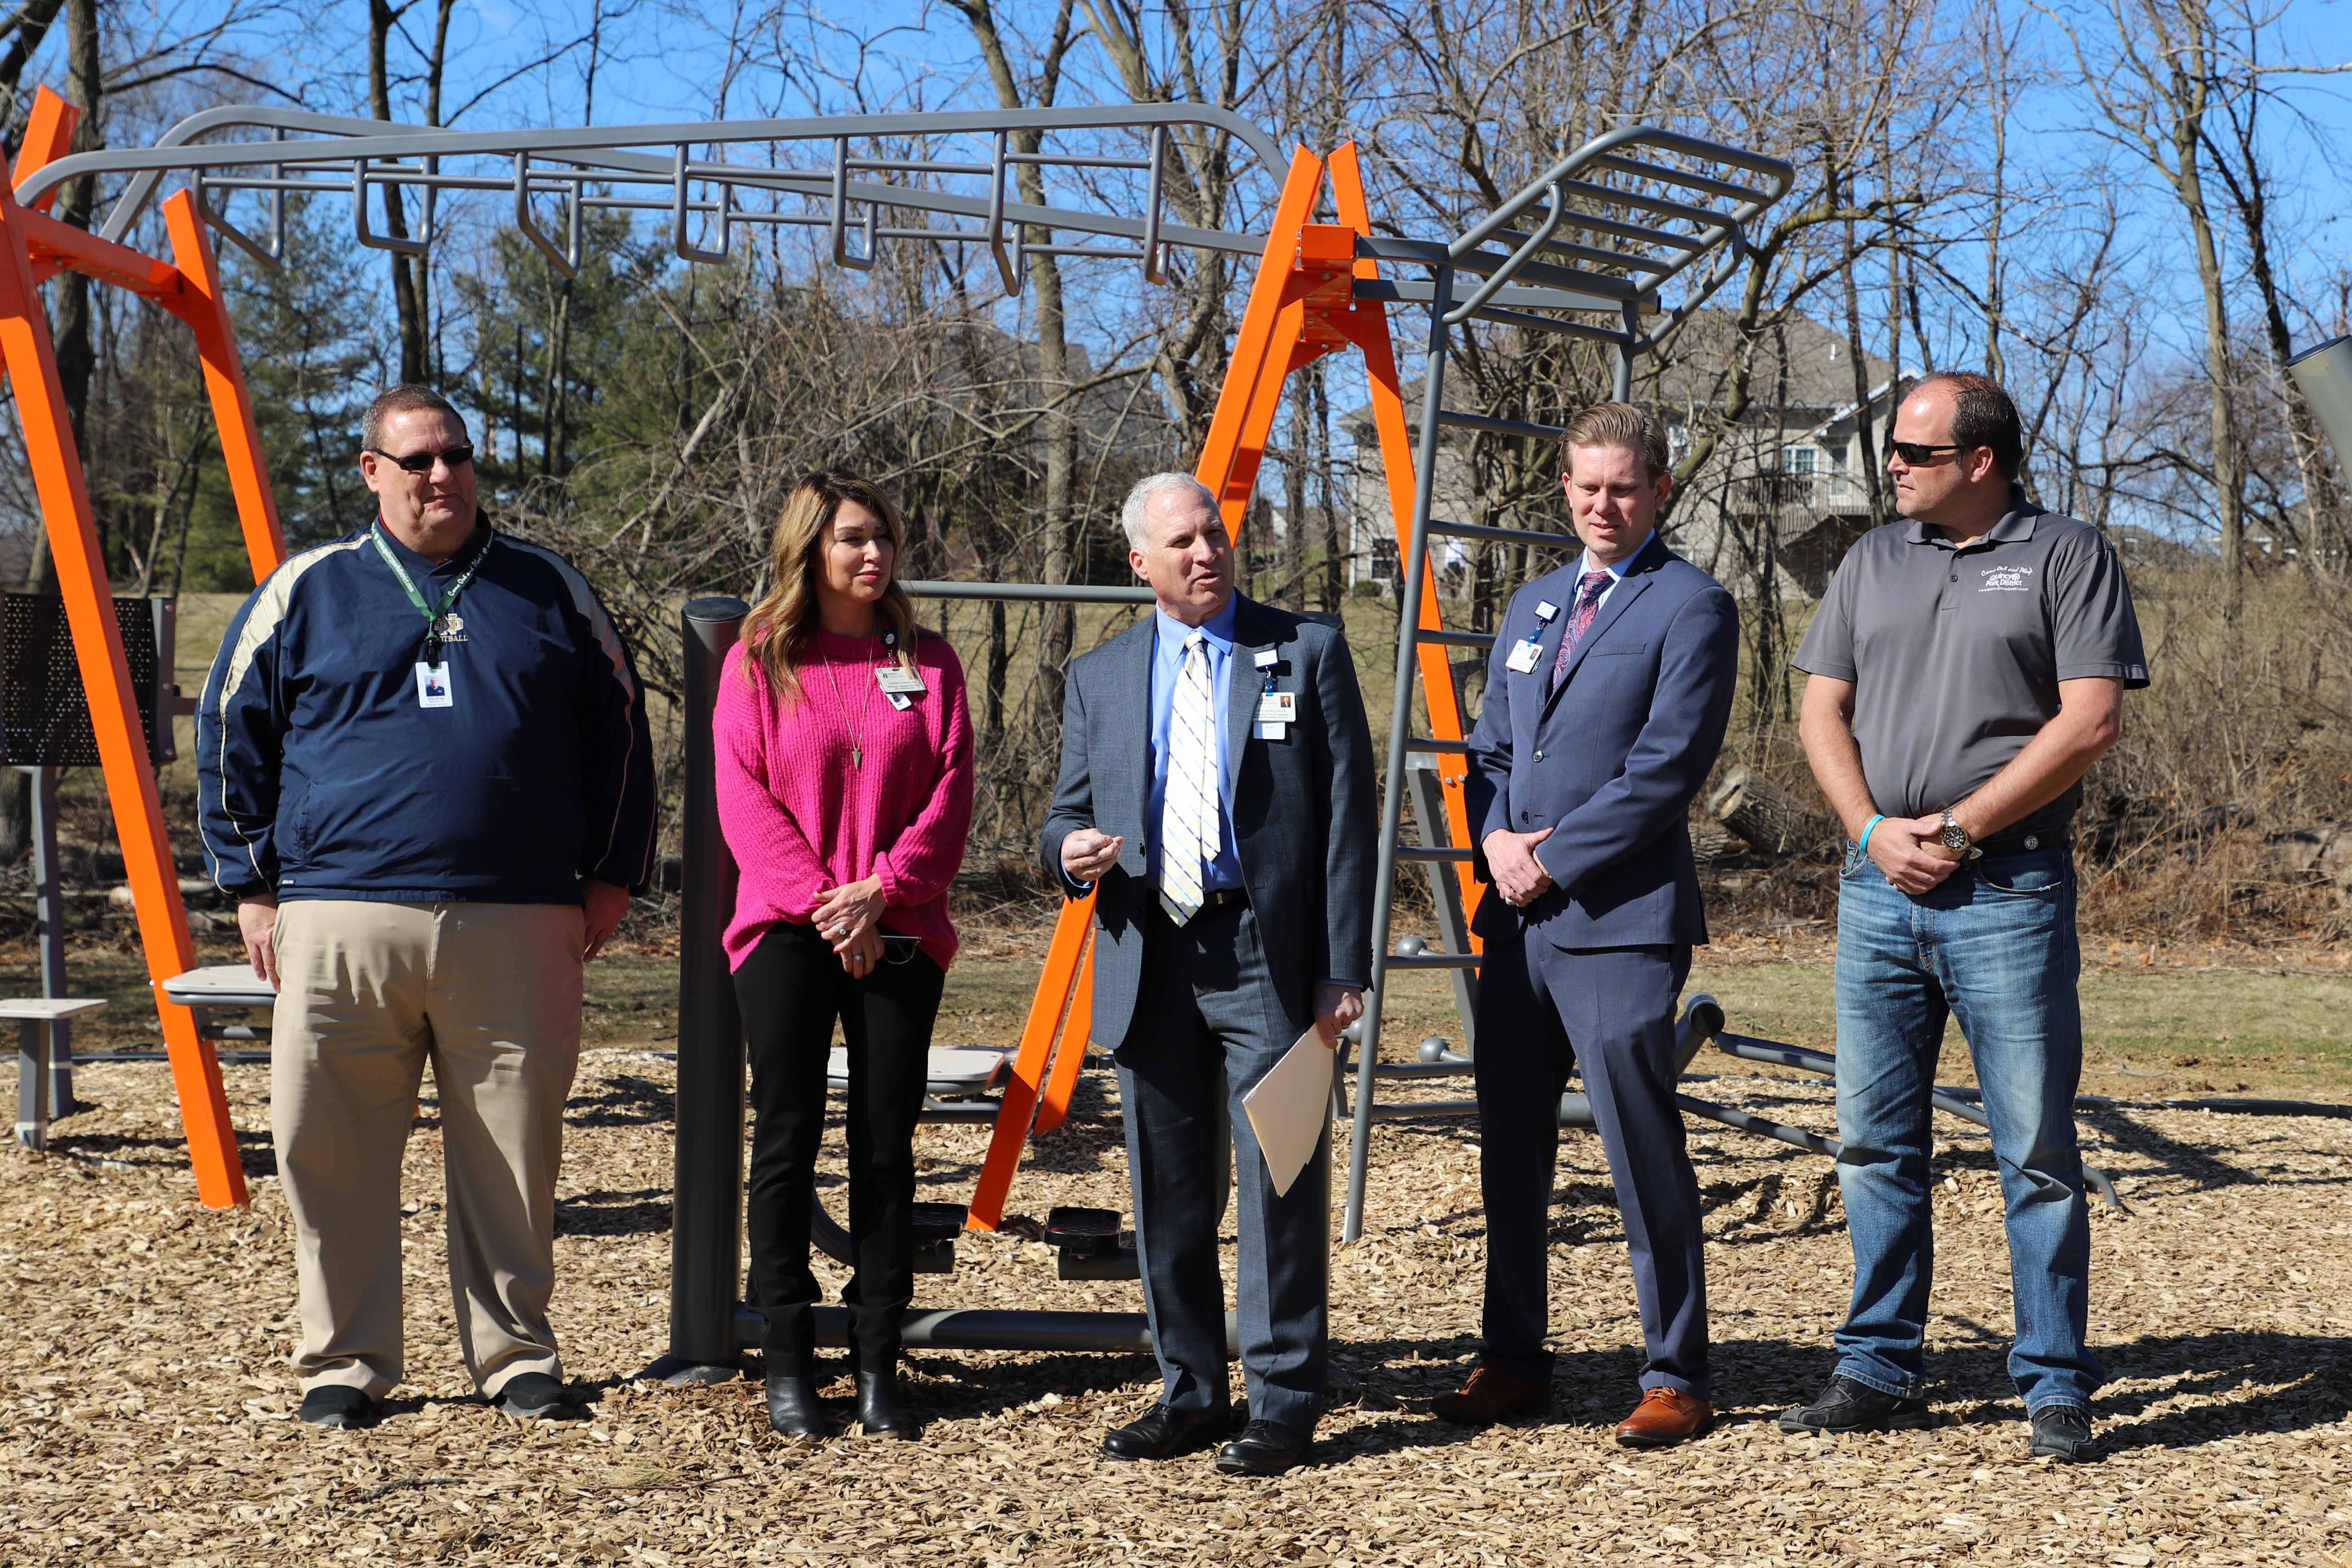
<point x="792" y="1407"/>
<point x="339" y="1405"/>
<point x="535" y="1397"/>
<point x="882" y="1407"/>
<point x="1263" y="1448"/>
<point x="1846" y="1406"/>
<point x="1160" y="1433"/>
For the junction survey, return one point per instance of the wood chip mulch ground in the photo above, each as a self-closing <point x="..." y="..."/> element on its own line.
<point x="146" y="1412"/>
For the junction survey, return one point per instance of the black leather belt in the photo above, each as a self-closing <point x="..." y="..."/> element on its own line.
<point x="1224" y="898"/>
<point x="2013" y="842"/>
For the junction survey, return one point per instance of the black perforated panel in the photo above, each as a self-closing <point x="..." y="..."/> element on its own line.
<point x="44" y="716"/>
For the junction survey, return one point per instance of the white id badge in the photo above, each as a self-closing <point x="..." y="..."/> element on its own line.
<point x="1271" y="731"/>
<point x="899" y="681"/>
<point x="1265" y="659"/>
<point x="901" y="701"/>
<point x="1524" y="653"/>
<point x="433" y="684"/>
<point x="1277" y="707"/>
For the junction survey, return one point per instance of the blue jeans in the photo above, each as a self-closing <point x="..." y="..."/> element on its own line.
<point x="1993" y="945"/>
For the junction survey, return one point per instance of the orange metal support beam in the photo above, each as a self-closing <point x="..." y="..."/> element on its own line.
<point x="1063" y="1082"/>
<point x="1253" y="375"/>
<point x="48" y="136"/>
<point x="30" y="358"/>
<point x="202" y="302"/>
<point x="1019" y="1104"/>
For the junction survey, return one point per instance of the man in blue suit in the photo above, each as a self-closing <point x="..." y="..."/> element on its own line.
<point x="1606" y="699"/>
<point x="1217" y="794"/>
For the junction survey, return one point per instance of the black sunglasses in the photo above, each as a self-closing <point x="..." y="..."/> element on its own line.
<point x="457" y="456"/>
<point x="1917" y="453"/>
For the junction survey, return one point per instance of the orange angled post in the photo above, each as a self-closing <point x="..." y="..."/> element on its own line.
<point x="29" y="358"/>
<point x="1019" y="1105"/>
<point x="201" y="303"/>
<point x="49" y="133"/>
<point x="1063" y="1082"/>
<point x="1253" y="376"/>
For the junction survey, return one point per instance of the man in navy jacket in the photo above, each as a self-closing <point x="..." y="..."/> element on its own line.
<point x="426" y="776"/>
<point x="1606" y="700"/>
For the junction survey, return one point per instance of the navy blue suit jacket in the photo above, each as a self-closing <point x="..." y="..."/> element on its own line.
<point x="1611" y="760"/>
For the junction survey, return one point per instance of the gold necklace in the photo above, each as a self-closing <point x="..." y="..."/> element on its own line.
<point x="856" y="727"/>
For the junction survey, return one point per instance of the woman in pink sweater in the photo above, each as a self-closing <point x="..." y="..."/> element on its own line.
<point x="844" y="791"/>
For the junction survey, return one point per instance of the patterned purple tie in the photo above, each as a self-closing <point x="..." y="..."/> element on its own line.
<point x="1588" y="604"/>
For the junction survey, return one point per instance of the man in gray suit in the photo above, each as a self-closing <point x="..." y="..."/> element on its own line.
<point x="1217" y="794"/>
<point x="1606" y="702"/>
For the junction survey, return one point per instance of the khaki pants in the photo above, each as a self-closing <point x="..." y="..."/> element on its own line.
<point x="489" y="993"/>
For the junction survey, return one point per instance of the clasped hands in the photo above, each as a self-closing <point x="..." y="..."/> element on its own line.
<point x="849" y="917"/>
<point x="1511" y="860"/>
<point x="1912" y="852"/>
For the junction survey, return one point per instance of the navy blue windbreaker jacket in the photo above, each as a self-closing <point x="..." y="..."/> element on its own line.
<point x="323" y="777"/>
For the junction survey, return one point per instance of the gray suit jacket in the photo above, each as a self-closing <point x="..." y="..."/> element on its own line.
<point x="1303" y="819"/>
<point x="1611" y="760"/>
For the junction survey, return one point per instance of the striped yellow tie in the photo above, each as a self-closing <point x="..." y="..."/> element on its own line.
<point x="1188" y="833"/>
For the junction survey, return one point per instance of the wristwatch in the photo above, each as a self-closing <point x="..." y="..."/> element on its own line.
<point x="1956" y="837"/>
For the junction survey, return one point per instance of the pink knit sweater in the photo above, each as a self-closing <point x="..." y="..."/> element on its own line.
<point x="801" y="817"/>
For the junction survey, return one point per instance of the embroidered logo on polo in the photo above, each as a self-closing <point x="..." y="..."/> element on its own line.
<point x="452" y="628"/>
<point x="2007" y="580"/>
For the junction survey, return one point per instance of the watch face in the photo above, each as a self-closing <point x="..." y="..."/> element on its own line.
<point x="1954" y="837"/>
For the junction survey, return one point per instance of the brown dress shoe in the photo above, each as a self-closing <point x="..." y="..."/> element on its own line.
<point x="1492" y="1395"/>
<point x="1665" y="1418"/>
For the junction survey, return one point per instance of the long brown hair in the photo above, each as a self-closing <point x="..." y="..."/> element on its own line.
<point x="782" y="628"/>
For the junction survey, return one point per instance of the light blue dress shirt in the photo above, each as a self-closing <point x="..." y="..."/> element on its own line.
<point x="1167" y="667"/>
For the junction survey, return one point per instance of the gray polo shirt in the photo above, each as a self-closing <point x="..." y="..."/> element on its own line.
<point x="1956" y="654"/>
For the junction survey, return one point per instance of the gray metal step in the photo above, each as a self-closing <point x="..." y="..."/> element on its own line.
<point x="1428" y="637"/>
<point x="1540" y="540"/>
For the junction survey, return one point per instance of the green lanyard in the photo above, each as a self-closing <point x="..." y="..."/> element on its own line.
<point x="432" y="613"/>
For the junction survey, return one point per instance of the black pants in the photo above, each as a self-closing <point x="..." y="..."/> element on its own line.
<point x="791" y="989"/>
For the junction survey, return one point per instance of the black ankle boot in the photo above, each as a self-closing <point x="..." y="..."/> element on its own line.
<point x="792" y="1407"/>
<point x="882" y="1407"/>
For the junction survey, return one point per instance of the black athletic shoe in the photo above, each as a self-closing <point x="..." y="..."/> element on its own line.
<point x="339" y="1405"/>
<point x="2063" y="1432"/>
<point x="1846" y="1406"/>
<point x="535" y="1397"/>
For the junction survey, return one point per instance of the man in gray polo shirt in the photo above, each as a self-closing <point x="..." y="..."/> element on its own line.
<point x="1967" y="666"/>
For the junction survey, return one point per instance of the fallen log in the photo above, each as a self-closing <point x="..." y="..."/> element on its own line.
<point x="1772" y="820"/>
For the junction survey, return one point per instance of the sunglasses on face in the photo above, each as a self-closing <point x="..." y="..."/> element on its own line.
<point x="457" y="456"/>
<point x="1917" y="454"/>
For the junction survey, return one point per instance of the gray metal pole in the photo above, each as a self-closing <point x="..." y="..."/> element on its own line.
<point x="49" y="907"/>
<point x="707" y="1200"/>
<point x="1621" y="383"/>
<point x="1416" y="567"/>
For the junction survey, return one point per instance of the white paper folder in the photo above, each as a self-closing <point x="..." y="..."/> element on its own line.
<point x="1289" y="1106"/>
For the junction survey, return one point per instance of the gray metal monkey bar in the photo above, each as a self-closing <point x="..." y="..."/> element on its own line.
<point x="841" y="187"/>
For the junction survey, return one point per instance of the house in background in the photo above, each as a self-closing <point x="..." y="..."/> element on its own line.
<point x="1780" y="498"/>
